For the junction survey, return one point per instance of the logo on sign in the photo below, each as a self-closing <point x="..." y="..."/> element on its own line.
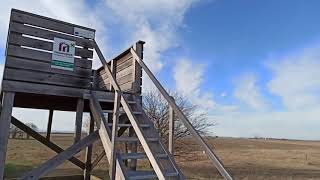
<point x="63" y="47"/>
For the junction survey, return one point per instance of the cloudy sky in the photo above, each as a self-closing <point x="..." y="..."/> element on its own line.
<point x="254" y="65"/>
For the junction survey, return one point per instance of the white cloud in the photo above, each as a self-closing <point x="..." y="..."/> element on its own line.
<point x="155" y="22"/>
<point x="248" y="92"/>
<point x="295" y="78"/>
<point x="188" y="78"/>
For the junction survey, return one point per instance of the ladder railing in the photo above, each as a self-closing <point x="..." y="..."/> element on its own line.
<point x="115" y="119"/>
<point x="125" y="105"/>
<point x="215" y="160"/>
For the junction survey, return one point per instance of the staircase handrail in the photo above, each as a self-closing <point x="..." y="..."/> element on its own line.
<point x="151" y="156"/>
<point x="212" y="156"/>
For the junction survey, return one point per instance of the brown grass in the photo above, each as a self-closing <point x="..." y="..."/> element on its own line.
<point x="245" y="158"/>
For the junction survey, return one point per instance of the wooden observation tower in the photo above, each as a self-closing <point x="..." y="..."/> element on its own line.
<point x="48" y="67"/>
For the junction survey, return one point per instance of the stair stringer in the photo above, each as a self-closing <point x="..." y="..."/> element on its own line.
<point x="104" y="133"/>
<point x="152" y="129"/>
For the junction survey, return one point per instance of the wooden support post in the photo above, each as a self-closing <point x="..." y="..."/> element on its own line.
<point x="171" y="129"/>
<point x="88" y="164"/>
<point x="113" y="71"/>
<point x="5" y="119"/>
<point x="49" y="124"/>
<point x="137" y="70"/>
<point x="115" y="119"/>
<point x="78" y="124"/>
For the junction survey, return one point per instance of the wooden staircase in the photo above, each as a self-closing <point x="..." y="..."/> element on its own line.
<point x="111" y="133"/>
<point x="152" y="144"/>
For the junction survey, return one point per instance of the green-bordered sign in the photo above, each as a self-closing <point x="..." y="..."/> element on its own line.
<point x="63" y="54"/>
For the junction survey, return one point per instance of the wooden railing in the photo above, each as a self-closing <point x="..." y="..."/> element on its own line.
<point x="126" y="107"/>
<point x="215" y="160"/>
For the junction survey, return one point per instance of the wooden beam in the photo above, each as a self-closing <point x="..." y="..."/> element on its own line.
<point x="44" y="141"/>
<point x="5" y="118"/>
<point x="113" y="70"/>
<point x="171" y="129"/>
<point x="89" y="149"/>
<point x="49" y="124"/>
<point x="61" y="157"/>
<point x="78" y="124"/>
<point x="213" y="157"/>
<point x="115" y="120"/>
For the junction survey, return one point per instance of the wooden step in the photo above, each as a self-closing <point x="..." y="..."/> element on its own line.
<point x="135" y="175"/>
<point x="129" y="125"/>
<point x="133" y="139"/>
<point x="122" y="112"/>
<point x="140" y="156"/>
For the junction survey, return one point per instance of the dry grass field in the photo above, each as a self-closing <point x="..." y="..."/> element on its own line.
<point x="245" y="158"/>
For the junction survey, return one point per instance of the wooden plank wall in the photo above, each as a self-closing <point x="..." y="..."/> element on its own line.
<point x="128" y="73"/>
<point x="29" y="53"/>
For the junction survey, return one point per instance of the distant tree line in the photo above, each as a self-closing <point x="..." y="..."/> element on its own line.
<point x="16" y="133"/>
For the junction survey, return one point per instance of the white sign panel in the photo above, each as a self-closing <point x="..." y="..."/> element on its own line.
<point x="63" y="54"/>
<point x="83" y="33"/>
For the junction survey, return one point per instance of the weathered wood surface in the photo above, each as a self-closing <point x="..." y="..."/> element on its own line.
<point x="25" y="53"/>
<point x="49" y="124"/>
<point x="19" y="40"/>
<point x="105" y="133"/>
<point x="61" y="157"/>
<point x="137" y="70"/>
<point x="215" y="160"/>
<point x="29" y="56"/>
<point x="45" y="78"/>
<point x="143" y="140"/>
<point x="114" y="136"/>
<point x="50" y="35"/>
<point x="5" y="119"/>
<point x="44" y="141"/>
<point x="24" y="87"/>
<point x="78" y="122"/>
<point x="125" y="73"/>
<point x="44" y="22"/>
<point x="44" y="66"/>
<point x="89" y="150"/>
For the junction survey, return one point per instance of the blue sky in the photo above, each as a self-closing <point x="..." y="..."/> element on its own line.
<point x="253" y="65"/>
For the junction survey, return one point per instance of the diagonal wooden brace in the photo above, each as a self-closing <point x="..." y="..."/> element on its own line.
<point x="44" y="141"/>
<point x="61" y="157"/>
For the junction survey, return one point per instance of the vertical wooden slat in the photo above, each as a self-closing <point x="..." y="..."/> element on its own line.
<point x="89" y="149"/>
<point x="78" y="123"/>
<point x="137" y="70"/>
<point x="115" y="119"/>
<point x="49" y="124"/>
<point x="5" y="119"/>
<point x="171" y="129"/>
<point x="113" y="71"/>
